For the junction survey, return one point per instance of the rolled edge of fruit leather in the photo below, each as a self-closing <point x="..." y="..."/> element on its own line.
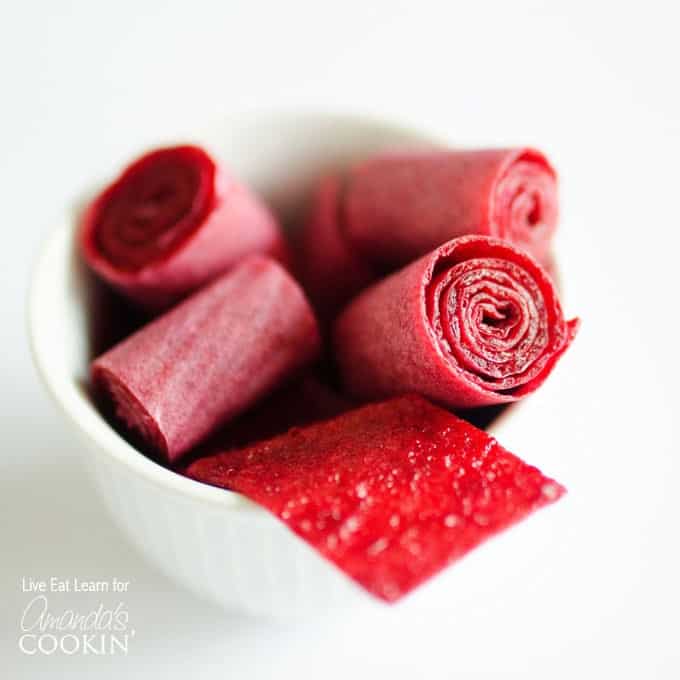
<point x="172" y="221"/>
<point x="208" y="359"/>
<point x="401" y="205"/>
<point x="474" y="323"/>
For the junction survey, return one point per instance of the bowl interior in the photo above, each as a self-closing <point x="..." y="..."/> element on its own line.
<point x="72" y="316"/>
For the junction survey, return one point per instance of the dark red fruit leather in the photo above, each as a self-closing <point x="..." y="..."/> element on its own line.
<point x="399" y="206"/>
<point x="171" y="222"/>
<point x="331" y="270"/>
<point x="303" y="401"/>
<point x="391" y="493"/>
<point x="208" y="359"/>
<point x="474" y="323"/>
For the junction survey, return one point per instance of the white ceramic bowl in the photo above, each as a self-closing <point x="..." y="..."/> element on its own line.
<point x="212" y="541"/>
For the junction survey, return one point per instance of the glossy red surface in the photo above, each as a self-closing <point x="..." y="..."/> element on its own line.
<point x="390" y="493"/>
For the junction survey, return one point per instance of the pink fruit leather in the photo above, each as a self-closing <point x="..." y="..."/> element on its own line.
<point x="401" y="205"/>
<point x="208" y="359"/>
<point x="330" y="269"/>
<point x="173" y="221"/>
<point x="474" y="323"/>
<point x="390" y="493"/>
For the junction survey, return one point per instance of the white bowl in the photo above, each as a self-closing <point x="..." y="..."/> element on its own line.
<point x="212" y="541"/>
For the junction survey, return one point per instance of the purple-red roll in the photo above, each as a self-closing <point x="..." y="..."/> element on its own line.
<point x="474" y="323"/>
<point x="173" y="221"/>
<point x="208" y="359"/>
<point x="332" y="271"/>
<point x="400" y="206"/>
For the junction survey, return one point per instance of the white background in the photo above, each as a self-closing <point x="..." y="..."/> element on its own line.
<point x="82" y="84"/>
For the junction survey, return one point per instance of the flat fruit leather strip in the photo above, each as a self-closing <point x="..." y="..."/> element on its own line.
<point x="208" y="359"/>
<point x="474" y="323"/>
<point x="390" y="493"/>
<point x="401" y="205"/>
<point x="331" y="270"/>
<point x="173" y="221"/>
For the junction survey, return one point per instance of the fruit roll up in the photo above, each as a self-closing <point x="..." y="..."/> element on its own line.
<point x="390" y="493"/>
<point x="474" y="323"/>
<point x="204" y="362"/>
<point x="331" y="270"/>
<point x="400" y="206"/>
<point x="173" y="221"/>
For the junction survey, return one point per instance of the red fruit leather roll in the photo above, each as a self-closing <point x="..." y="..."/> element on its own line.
<point x="474" y="323"/>
<point x="400" y="206"/>
<point x="331" y="270"/>
<point x="171" y="222"/>
<point x="390" y="493"/>
<point x="208" y="359"/>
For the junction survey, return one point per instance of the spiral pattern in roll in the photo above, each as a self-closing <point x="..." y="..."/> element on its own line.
<point x="173" y="221"/>
<point x="474" y="323"/>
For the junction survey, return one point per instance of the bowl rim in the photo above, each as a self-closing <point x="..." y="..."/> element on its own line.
<point x="72" y="403"/>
